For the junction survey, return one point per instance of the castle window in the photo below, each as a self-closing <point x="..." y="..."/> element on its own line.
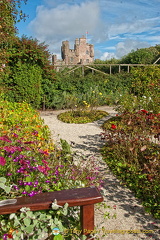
<point x="87" y="52"/>
<point x="71" y="59"/>
<point x="87" y="60"/>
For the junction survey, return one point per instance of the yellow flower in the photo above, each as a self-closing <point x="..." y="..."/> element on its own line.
<point x="100" y="93"/>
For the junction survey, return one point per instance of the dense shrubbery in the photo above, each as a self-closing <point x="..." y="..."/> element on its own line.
<point x="142" y="56"/>
<point x="66" y="89"/>
<point x="28" y="73"/>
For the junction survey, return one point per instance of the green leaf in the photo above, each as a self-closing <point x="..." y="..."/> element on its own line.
<point x="2" y="179"/>
<point x="29" y="229"/>
<point x="58" y="237"/>
<point x="2" y="185"/>
<point x="28" y="179"/>
<point x="12" y="216"/>
<point x="27" y="221"/>
<point x="27" y="188"/>
<point x="7" y="189"/>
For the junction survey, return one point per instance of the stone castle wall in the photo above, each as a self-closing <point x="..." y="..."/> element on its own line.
<point x="83" y="53"/>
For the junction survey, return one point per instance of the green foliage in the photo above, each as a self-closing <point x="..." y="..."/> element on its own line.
<point x="132" y="153"/>
<point x="141" y="56"/>
<point x="9" y="15"/>
<point x="144" y="91"/>
<point x="36" y="225"/>
<point x="30" y="51"/>
<point x="70" y="90"/>
<point x="24" y="84"/>
<point x="26" y="58"/>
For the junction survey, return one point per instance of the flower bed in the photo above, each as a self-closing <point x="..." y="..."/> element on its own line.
<point x="30" y="162"/>
<point x="82" y="116"/>
<point x="133" y="154"/>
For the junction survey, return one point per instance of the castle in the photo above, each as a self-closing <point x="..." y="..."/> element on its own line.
<point x="83" y="53"/>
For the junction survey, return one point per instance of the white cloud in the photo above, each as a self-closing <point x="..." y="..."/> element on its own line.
<point x="107" y="56"/>
<point x="123" y="48"/>
<point x="65" y="22"/>
<point x="138" y="26"/>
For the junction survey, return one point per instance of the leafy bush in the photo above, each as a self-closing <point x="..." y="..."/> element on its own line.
<point x="132" y="152"/>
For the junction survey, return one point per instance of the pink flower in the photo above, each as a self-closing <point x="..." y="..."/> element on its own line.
<point x="2" y="161"/>
<point x="5" y="138"/>
<point x="41" y="169"/>
<point x="12" y="149"/>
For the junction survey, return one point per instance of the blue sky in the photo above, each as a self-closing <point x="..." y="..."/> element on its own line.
<point x="115" y="27"/>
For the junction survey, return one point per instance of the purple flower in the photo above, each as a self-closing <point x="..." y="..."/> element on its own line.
<point x="47" y="181"/>
<point x="9" y="174"/>
<point x="24" y="192"/>
<point x="5" y="236"/>
<point x="16" y="187"/>
<point x="36" y="182"/>
<point x="31" y="194"/>
<point x="21" y="182"/>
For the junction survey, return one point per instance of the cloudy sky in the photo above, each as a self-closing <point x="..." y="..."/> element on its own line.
<point x="115" y="27"/>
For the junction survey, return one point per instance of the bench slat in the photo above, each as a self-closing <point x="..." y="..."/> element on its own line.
<point x="42" y="201"/>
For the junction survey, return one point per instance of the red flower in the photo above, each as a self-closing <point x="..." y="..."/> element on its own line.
<point x="144" y="111"/>
<point x="2" y="161"/>
<point x="113" y="126"/>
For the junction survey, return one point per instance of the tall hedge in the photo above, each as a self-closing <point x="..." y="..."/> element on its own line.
<point x="24" y="84"/>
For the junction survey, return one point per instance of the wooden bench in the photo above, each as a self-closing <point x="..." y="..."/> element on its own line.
<point x="83" y="197"/>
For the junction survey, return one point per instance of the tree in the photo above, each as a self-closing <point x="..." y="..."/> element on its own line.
<point x="9" y="15"/>
<point x="141" y="56"/>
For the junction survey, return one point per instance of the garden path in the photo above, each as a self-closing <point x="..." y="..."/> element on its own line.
<point x="130" y="215"/>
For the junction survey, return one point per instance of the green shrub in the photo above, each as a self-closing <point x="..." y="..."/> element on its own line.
<point x="24" y="85"/>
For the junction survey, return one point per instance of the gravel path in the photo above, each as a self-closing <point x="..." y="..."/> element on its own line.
<point x="127" y="213"/>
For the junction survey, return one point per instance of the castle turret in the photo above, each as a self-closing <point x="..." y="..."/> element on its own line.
<point x="91" y="51"/>
<point x="65" y="51"/>
<point x="54" y="59"/>
<point x="76" y="47"/>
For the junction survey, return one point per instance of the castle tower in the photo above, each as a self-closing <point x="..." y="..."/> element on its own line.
<point x="65" y="51"/>
<point x="83" y="53"/>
